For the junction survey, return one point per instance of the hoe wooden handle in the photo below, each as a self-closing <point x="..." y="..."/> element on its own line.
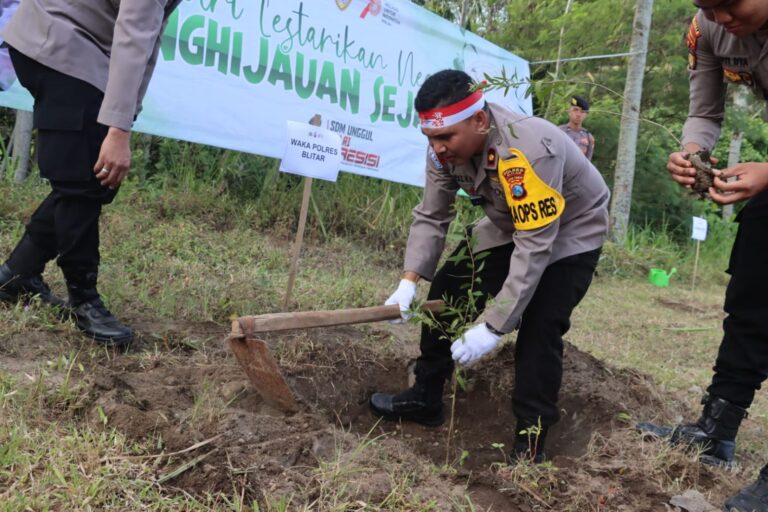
<point x="248" y="325"/>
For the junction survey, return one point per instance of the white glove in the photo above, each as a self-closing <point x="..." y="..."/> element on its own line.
<point x="475" y="343"/>
<point x="403" y="297"/>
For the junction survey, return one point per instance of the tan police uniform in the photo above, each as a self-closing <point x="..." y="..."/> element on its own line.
<point x="109" y="44"/>
<point x="718" y="58"/>
<point x="581" y="138"/>
<point x="87" y="64"/>
<point x="577" y="222"/>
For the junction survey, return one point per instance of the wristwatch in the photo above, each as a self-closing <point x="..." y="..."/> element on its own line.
<point x="494" y="331"/>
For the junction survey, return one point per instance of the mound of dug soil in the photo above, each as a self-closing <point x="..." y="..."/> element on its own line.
<point x="218" y="435"/>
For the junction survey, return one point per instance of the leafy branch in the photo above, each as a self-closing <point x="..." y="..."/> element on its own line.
<point x="505" y="83"/>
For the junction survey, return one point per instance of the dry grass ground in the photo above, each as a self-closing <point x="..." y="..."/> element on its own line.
<point x="172" y="424"/>
<point x="671" y="334"/>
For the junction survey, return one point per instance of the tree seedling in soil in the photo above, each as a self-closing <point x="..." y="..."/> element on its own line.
<point x="532" y="433"/>
<point x="462" y="312"/>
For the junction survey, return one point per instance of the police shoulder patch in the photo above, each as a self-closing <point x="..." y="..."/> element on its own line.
<point x="692" y="42"/>
<point x="532" y="202"/>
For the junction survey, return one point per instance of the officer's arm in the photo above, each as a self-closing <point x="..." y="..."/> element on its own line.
<point x="134" y="42"/>
<point x="527" y="264"/>
<point x="707" y="89"/>
<point x="591" y="148"/>
<point x="530" y="258"/>
<point x="134" y="48"/>
<point x="431" y="219"/>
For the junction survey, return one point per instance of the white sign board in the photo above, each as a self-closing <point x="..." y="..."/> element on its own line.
<point x="312" y="151"/>
<point x="699" y="229"/>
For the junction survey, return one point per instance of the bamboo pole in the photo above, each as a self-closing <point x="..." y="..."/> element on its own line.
<point x="297" y="244"/>
<point x="695" y="265"/>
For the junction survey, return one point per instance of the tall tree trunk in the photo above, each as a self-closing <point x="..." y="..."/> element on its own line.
<point x="22" y="143"/>
<point x="734" y="151"/>
<point x="630" y="120"/>
<point x="464" y="13"/>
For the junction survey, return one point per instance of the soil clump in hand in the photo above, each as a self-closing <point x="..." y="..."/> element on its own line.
<point x="705" y="177"/>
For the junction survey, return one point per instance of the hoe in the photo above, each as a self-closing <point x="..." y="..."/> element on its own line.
<point x="254" y="356"/>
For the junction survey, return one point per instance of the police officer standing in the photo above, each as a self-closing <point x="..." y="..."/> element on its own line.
<point x="726" y="44"/>
<point x="577" y="112"/>
<point x="546" y="220"/>
<point x="87" y="66"/>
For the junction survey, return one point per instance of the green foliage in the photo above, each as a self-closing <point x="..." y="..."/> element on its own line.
<point x="461" y="310"/>
<point x="649" y="247"/>
<point x="223" y="188"/>
<point x="533" y="31"/>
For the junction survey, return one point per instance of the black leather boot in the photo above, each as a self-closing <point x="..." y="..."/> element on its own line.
<point x="94" y="319"/>
<point x="14" y="287"/>
<point x="753" y="498"/>
<point x="422" y="403"/>
<point x="715" y="431"/>
<point x="529" y="442"/>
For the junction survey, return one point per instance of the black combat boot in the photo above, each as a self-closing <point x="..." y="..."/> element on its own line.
<point x="753" y="498"/>
<point x="92" y="316"/>
<point x="423" y="403"/>
<point x="14" y="287"/>
<point x="715" y="432"/>
<point x="529" y="442"/>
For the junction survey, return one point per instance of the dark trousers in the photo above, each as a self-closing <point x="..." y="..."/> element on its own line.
<point x="742" y="361"/>
<point x="539" y="346"/>
<point x="66" y="224"/>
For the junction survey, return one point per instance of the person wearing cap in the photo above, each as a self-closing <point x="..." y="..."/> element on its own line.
<point x="577" y="112"/>
<point x="534" y="252"/>
<point x="87" y="67"/>
<point x="726" y="43"/>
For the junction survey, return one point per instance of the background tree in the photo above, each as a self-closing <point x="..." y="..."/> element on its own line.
<point x="531" y="29"/>
<point x="22" y="144"/>
<point x="621" y="200"/>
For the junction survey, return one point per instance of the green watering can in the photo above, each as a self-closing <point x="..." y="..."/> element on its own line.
<point x="659" y="277"/>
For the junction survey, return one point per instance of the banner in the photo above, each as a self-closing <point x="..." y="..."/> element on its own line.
<point x="231" y="73"/>
<point x="7" y="74"/>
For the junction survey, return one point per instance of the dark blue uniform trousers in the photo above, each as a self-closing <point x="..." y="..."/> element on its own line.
<point x="742" y="360"/>
<point x="66" y="224"/>
<point x="539" y="345"/>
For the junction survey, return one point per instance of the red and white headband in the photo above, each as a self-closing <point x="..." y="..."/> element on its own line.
<point x="452" y="114"/>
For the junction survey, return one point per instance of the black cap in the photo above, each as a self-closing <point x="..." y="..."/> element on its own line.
<point x="581" y="102"/>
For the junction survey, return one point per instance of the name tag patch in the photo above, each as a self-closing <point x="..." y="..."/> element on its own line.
<point x="736" y="76"/>
<point x="532" y="202"/>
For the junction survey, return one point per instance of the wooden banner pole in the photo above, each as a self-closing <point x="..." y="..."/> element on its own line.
<point x="297" y="244"/>
<point x="695" y="265"/>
